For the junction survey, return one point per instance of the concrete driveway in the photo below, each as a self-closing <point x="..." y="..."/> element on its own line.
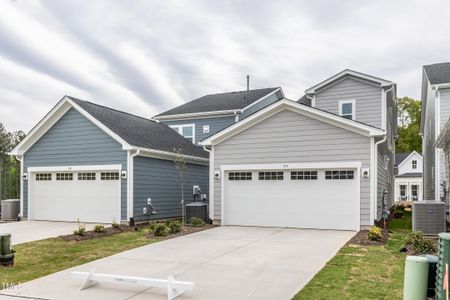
<point x="224" y="263"/>
<point x="28" y="231"/>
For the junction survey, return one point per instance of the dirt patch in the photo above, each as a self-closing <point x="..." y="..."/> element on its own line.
<point x="185" y="230"/>
<point x="93" y="235"/>
<point x="361" y="238"/>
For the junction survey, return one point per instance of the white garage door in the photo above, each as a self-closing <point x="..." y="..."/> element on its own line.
<point x="324" y="199"/>
<point x="90" y="196"/>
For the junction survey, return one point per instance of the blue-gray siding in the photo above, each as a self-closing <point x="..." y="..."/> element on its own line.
<point x="160" y="180"/>
<point x="260" y="105"/>
<point x="75" y="141"/>
<point x="215" y="125"/>
<point x="429" y="137"/>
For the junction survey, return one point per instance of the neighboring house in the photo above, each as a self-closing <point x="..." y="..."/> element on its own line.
<point x="326" y="165"/>
<point x="443" y="144"/>
<point x="96" y="164"/>
<point x="435" y="111"/>
<point x="408" y="176"/>
<point x="203" y="117"/>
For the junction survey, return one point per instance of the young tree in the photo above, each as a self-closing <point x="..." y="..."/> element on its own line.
<point x="408" y="125"/>
<point x="180" y="164"/>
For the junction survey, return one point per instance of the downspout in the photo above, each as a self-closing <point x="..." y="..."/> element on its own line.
<point x="211" y="182"/>
<point x="131" y="184"/>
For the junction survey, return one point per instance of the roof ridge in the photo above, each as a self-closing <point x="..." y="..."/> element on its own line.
<point x="236" y="92"/>
<point x="116" y="110"/>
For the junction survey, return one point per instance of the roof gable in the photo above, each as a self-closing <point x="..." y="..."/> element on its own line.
<point x="219" y="103"/>
<point x="402" y="157"/>
<point x="131" y="131"/>
<point x="286" y="104"/>
<point x="438" y="73"/>
<point x="344" y="73"/>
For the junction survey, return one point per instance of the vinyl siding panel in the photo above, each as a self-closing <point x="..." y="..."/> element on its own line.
<point x="367" y="98"/>
<point x="260" y="105"/>
<point x="72" y="141"/>
<point x="444" y="114"/>
<point x="160" y="180"/>
<point x="385" y="178"/>
<point x="288" y="137"/>
<point x="215" y="125"/>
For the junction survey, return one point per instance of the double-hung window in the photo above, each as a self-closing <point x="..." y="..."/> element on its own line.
<point x="414" y="164"/>
<point x="347" y="109"/>
<point x="188" y="131"/>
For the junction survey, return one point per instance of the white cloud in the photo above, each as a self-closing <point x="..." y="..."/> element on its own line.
<point x="148" y="56"/>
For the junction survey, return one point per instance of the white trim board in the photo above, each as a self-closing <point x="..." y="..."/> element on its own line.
<point x="231" y="112"/>
<point x="75" y="168"/>
<point x="293" y="106"/>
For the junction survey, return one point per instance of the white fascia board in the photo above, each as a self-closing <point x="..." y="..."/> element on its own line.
<point x="313" y="89"/>
<point x="230" y="112"/>
<point x="125" y="145"/>
<point x="260" y="99"/>
<point x="146" y="152"/>
<point x="293" y="166"/>
<point x="295" y="107"/>
<point x="75" y="168"/>
<point x="440" y="86"/>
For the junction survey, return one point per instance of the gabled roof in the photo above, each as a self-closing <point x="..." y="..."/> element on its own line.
<point x="346" y="72"/>
<point x="403" y="156"/>
<point x="304" y="100"/>
<point x="438" y="73"/>
<point x="284" y="104"/>
<point x="131" y="131"/>
<point x="219" y="103"/>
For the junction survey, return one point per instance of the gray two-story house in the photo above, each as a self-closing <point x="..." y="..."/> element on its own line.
<point x="323" y="162"/>
<point x="203" y="117"/>
<point x="435" y="113"/>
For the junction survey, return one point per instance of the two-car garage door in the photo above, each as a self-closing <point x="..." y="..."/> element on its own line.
<point x="324" y="199"/>
<point x="87" y="195"/>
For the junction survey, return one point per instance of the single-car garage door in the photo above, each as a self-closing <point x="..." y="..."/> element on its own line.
<point x="323" y="199"/>
<point x="90" y="196"/>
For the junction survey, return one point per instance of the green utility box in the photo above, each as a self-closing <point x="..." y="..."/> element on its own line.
<point x="416" y="278"/>
<point x="444" y="258"/>
<point x="432" y="265"/>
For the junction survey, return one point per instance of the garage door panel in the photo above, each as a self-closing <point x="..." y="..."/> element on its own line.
<point x="320" y="203"/>
<point x="69" y="200"/>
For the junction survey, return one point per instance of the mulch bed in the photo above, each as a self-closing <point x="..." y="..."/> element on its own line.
<point x="184" y="231"/>
<point x="123" y="228"/>
<point x="93" y="235"/>
<point x="361" y="239"/>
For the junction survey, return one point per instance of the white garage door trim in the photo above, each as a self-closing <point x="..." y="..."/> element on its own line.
<point x="299" y="166"/>
<point x="32" y="170"/>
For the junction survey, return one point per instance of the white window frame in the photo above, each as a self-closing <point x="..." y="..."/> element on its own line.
<point x="179" y="129"/>
<point x="414" y="164"/>
<point x="352" y="102"/>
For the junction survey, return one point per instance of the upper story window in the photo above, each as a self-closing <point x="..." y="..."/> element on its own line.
<point x="347" y="109"/>
<point x="414" y="164"/>
<point x="188" y="131"/>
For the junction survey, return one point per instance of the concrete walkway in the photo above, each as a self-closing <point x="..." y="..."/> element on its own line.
<point x="224" y="263"/>
<point x="28" y="231"/>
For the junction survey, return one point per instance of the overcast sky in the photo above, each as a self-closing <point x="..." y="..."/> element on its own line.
<point x="148" y="56"/>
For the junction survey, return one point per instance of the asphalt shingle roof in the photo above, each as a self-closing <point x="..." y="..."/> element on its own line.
<point x="407" y="175"/>
<point x="401" y="156"/>
<point x="141" y="132"/>
<point x="218" y="102"/>
<point x="438" y="73"/>
<point x="304" y="100"/>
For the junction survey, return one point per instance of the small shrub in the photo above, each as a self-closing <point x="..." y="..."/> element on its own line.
<point x="161" y="230"/>
<point x="419" y="243"/>
<point x="115" y="224"/>
<point x="81" y="228"/>
<point x="99" y="228"/>
<point x="151" y="227"/>
<point x="375" y="233"/>
<point x="399" y="213"/>
<point x="196" y="222"/>
<point x="174" y="226"/>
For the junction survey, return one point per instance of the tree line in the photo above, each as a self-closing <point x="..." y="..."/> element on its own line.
<point x="9" y="166"/>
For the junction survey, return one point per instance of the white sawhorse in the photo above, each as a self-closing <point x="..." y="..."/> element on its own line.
<point x="174" y="287"/>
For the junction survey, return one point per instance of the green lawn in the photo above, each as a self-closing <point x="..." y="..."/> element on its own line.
<point x="40" y="258"/>
<point x="363" y="272"/>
